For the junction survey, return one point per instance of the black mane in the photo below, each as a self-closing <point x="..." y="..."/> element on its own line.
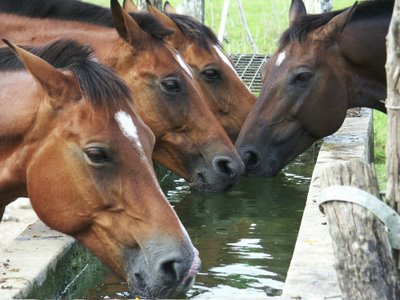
<point x="97" y="82"/>
<point x="366" y="9"/>
<point x="73" y="10"/>
<point x="195" y="30"/>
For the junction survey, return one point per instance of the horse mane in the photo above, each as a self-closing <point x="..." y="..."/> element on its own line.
<point x="304" y="25"/>
<point x="97" y="82"/>
<point x="195" y="30"/>
<point x="73" y="10"/>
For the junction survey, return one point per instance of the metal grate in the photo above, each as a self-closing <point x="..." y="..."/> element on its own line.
<point x="249" y="67"/>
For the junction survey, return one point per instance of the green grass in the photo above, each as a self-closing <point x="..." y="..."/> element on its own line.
<point x="267" y="19"/>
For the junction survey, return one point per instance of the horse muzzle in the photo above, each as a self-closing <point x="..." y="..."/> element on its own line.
<point x="161" y="270"/>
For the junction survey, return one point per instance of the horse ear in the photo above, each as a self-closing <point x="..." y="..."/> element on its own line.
<point x="168" y="8"/>
<point x="297" y="10"/>
<point x="164" y="19"/>
<point x="130" y="7"/>
<point x="335" y="26"/>
<point x="57" y="85"/>
<point x="126" y="26"/>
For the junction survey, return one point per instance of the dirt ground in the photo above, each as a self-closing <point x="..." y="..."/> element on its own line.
<point x="17" y="217"/>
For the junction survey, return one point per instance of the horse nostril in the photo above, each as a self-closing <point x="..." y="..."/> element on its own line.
<point x="226" y="166"/>
<point x="173" y="271"/>
<point x="250" y="158"/>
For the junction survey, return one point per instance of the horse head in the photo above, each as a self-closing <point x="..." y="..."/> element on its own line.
<point x="304" y="97"/>
<point x="189" y="139"/>
<point x="85" y="163"/>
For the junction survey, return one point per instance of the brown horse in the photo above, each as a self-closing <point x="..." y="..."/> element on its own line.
<point x="189" y="139"/>
<point x="228" y="97"/>
<point x="324" y="65"/>
<point x="70" y="141"/>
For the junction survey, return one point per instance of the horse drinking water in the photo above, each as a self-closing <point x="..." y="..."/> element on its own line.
<point x="70" y="141"/>
<point x="324" y="65"/>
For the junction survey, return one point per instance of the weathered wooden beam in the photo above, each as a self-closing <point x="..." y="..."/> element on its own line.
<point x="363" y="257"/>
<point x="393" y="110"/>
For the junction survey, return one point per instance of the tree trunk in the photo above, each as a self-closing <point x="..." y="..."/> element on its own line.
<point x="194" y="8"/>
<point x="318" y="6"/>
<point x="393" y="110"/>
<point x="157" y="3"/>
<point x="363" y="258"/>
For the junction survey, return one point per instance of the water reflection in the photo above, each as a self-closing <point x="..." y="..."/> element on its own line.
<point x="245" y="236"/>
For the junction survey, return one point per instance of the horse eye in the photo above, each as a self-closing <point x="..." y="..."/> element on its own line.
<point x="210" y="74"/>
<point x="171" y="85"/>
<point x="97" y="155"/>
<point x="303" y="77"/>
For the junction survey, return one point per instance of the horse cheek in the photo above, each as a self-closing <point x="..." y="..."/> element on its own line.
<point x="53" y="192"/>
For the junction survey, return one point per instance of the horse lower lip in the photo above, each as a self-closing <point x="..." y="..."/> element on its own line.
<point x="194" y="269"/>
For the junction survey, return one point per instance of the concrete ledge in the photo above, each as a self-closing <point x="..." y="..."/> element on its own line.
<point x="311" y="274"/>
<point x="25" y="262"/>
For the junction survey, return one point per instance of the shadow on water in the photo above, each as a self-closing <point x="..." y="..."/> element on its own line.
<point x="245" y="236"/>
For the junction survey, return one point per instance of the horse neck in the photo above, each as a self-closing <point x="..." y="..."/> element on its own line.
<point x="36" y="32"/>
<point x="18" y="116"/>
<point x="362" y="44"/>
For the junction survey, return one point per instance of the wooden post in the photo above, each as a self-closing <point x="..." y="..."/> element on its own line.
<point x="393" y="110"/>
<point x="142" y="4"/>
<point x="363" y="263"/>
<point x="224" y="18"/>
<point x="194" y="8"/>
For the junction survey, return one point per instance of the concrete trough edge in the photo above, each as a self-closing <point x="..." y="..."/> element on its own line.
<point x="26" y="261"/>
<point x="311" y="274"/>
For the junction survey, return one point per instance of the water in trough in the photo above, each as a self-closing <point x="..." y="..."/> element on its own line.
<point x="245" y="237"/>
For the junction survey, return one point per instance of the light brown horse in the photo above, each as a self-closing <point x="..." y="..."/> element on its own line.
<point x="70" y="141"/>
<point x="324" y="65"/>
<point x="189" y="139"/>
<point x="227" y="96"/>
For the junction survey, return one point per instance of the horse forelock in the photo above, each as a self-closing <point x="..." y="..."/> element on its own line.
<point x="366" y="10"/>
<point x="195" y="31"/>
<point x="100" y="85"/>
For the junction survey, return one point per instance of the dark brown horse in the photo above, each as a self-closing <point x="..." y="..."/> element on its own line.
<point x="71" y="142"/>
<point x="189" y="139"/>
<point x="324" y="65"/>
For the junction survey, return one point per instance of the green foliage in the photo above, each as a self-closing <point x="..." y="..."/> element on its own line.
<point x="380" y="135"/>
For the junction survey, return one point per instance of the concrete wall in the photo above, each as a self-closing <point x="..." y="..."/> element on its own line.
<point x="311" y="273"/>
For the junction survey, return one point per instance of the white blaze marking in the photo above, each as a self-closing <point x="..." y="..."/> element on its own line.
<point x="224" y="58"/>
<point x="129" y="130"/>
<point x="183" y="64"/>
<point x="228" y="62"/>
<point x="280" y="59"/>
